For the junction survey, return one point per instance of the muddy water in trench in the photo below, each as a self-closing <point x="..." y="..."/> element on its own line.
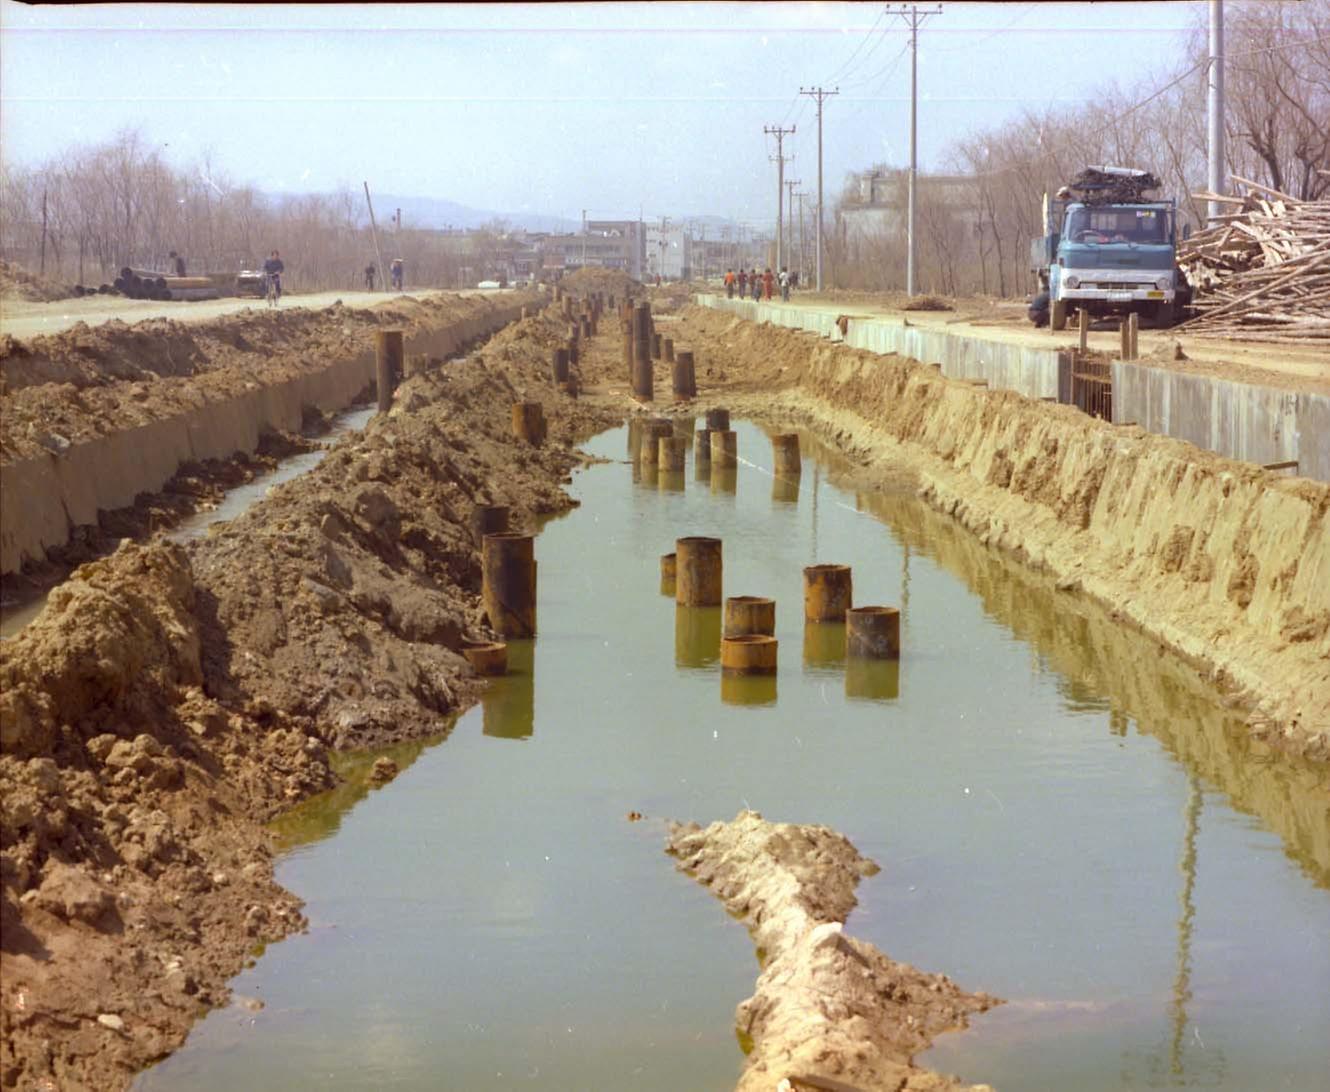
<point x="1064" y="817"/>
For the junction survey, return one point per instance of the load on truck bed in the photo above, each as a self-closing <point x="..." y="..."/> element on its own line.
<point x="1109" y="248"/>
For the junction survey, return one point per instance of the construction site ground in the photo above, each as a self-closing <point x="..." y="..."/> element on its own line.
<point x="170" y="700"/>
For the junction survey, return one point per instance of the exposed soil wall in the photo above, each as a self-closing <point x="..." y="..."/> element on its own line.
<point x="1222" y="561"/>
<point x="169" y="700"/>
<point x="94" y="417"/>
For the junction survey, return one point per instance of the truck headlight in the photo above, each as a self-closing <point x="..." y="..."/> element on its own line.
<point x="1073" y="281"/>
<point x="1164" y="283"/>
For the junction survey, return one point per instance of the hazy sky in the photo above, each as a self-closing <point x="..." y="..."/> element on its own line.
<point x="553" y="108"/>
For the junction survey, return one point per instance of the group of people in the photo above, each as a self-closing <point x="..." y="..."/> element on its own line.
<point x="396" y="270"/>
<point x="760" y="285"/>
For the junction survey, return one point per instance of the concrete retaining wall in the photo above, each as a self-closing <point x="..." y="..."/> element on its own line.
<point x="1031" y="372"/>
<point x="1245" y="421"/>
<point x="1241" y="420"/>
<point x="46" y="497"/>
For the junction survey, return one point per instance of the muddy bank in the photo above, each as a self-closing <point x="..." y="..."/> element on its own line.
<point x="1221" y="561"/>
<point x="93" y="417"/>
<point x="829" y="1011"/>
<point x="170" y="699"/>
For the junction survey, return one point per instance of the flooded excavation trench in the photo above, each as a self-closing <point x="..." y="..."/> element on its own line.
<point x="1063" y="815"/>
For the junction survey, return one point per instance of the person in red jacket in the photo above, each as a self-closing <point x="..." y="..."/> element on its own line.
<point x="768" y="283"/>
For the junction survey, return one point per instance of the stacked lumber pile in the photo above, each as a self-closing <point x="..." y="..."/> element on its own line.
<point x="1263" y="268"/>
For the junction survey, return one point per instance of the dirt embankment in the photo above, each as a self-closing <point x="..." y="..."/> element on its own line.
<point x="829" y="1011"/>
<point x="91" y="381"/>
<point x="17" y="283"/>
<point x="1225" y="563"/>
<point x="171" y="699"/>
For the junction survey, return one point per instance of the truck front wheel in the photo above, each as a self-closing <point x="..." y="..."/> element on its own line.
<point x="1057" y="318"/>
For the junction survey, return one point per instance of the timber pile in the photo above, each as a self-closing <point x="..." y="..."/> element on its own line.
<point x="1264" y="267"/>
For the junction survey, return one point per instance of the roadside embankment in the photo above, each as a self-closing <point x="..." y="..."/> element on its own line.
<point x="1221" y="561"/>
<point x="829" y="1010"/>
<point x="1236" y="410"/>
<point x="171" y="699"/>
<point x="95" y="416"/>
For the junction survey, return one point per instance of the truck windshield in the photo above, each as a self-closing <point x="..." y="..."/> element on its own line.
<point x="1117" y="225"/>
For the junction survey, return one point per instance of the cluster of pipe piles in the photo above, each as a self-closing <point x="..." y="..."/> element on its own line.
<point x="142" y="284"/>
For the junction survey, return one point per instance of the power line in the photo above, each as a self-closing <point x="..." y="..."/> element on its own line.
<point x="862" y="42"/>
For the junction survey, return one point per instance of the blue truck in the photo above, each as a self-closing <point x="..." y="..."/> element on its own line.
<point x="1110" y="248"/>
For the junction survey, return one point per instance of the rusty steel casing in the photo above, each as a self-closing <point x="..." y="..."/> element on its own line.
<point x="873" y="633"/>
<point x="785" y="454"/>
<point x="529" y="422"/>
<point x="653" y="431"/>
<point x="489" y="519"/>
<point x="488" y="658"/>
<point x="718" y="420"/>
<point x="559" y="365"/>
<point x="750" y="614"/>
<point x="672" y="453"/>
<point x="698" y="571"/>
<point x="702" y="449"/>
<point x="667" y="574"/>
<point x="749" y="654"/>
<point x="684" y="375"/>
<point x="667" y="347"/>
<point x="508" y="587"/>
<point x="828" y="593"/>
<point x="724" y="449"/>
<point x="655" y="346"/>
<point x="388" y="353"/>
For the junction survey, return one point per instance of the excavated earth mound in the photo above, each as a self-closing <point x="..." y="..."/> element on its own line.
<point x="170" y="699"/>
<point x="829" y="1011"/>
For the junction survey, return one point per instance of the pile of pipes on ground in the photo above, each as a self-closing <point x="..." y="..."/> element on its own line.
<point x="142" y="284"/>
<point x="1263" y="268"/>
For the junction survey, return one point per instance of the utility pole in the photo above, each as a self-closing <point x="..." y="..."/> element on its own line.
<point x="789" y="250"/>
<point x="801" y="195"/>
<point x="914" y="17"/>
<point x="1215" y="107"/>
<point x="818" y="95"/>
<point x="374" y="233"/>
<point x="779" y="158"/>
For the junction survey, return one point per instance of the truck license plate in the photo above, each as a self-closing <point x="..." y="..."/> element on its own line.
<point x="1119" y="296"/>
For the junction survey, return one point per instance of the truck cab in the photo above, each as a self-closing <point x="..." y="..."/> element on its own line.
<point x="1110" y="258"/>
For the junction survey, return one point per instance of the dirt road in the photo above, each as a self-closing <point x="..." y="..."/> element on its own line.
<point x="25" y="319"/>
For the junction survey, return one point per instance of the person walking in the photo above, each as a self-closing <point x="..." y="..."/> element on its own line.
<point x="768" y="283"/>
<point x="784" y="284"/>
<point x="397" y="268"/>
<point x="756" y="282"/>
<point x="370" y="271"/>
<point x="729" y="284"/>
<point x="743" y="284"/>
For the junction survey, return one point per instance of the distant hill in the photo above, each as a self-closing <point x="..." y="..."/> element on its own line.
<point x="437" y="212"/>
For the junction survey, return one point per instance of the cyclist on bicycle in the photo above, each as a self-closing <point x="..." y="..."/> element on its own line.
<point x="272" y="268"/>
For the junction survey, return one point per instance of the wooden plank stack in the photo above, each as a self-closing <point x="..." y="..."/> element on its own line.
<point x="1264" y="269"/>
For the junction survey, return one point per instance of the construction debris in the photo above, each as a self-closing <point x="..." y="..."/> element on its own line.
<point x="1265" y="265"/>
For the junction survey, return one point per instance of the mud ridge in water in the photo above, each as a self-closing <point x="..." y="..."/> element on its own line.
<point x="172" y="698"/>
<point x="829" y="1011"/>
